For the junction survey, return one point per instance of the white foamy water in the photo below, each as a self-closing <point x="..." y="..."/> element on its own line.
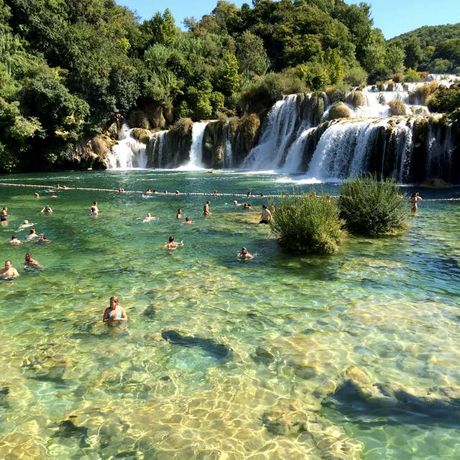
<point x="129" y="153"/>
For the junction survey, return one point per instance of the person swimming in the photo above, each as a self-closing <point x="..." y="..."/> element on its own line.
<point x="207" y="209"/>
<point x="114" y="314"/>
<point x="37" y="195"/>
<point x="94" y="210"/>
<point x="188" y="221"/>
<point x="244" y="254"/>
<point x="30" y="262"/>
<point x="4" y="216"/>
<point x="43" y="239"/>
<point x="148" y="218"/>
<point x="32" y="234"/>
<point x="25" y="224"/>
<point x="15" y="241"/>
<point x="8" y="272"/>
<point x="47" y="210"/>
<point x="247" y="206"/>
<point x="179" y="214"/>
<point x="172" y="244"/>
<point x="266" y="215"/>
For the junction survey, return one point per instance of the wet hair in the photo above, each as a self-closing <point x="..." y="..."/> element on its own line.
<point x="264" y="207"/>
<point x="243" y="250"/>
<point x="28" y="256"/>
<point x="170" y="239"/>
<point x="114" y="298"/>
<point x="187" y="219"/>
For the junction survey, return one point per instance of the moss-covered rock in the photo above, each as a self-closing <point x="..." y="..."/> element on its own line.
<point x="356" y="99"/>
<point x="142" y="135"/>
<point x="339" y="110"/>
<point x="213" y="144"/>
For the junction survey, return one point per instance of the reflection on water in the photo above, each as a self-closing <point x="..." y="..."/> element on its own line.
<point x="349" y="356"/>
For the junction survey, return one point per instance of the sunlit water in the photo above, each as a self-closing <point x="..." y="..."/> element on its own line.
<point x="269" y="345"/>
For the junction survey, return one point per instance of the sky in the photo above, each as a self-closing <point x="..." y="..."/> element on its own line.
<point x="394" y="17"/>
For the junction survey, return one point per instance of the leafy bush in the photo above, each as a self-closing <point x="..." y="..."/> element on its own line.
<point x="372" y="207"/>
<point x="397" y="107"/>
<point x="339" y="110"/>
<point x="307" y="224"/>
<point x="412" y="75"/>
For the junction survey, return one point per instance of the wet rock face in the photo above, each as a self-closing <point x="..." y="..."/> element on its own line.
<point x="216" y="350"/>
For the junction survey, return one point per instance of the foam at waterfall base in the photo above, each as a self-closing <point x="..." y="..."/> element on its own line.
<point x="304" y="180"/>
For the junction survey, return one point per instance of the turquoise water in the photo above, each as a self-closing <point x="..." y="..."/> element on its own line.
<point x="350" y="356"/>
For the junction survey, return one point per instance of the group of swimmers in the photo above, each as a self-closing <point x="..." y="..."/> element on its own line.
<point x="8" y="272"/>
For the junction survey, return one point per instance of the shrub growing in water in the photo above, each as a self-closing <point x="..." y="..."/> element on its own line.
<point x="397" y="107"/>
<point x="308" y="224"/>
<point x="372" y="207"/>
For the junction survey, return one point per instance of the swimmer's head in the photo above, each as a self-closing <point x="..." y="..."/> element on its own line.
<point x="264" y="207"/>
<point x="25" y="222"/>
<point x="244" y="251"/>
<point x="114" y="300"/>
<point x="170" y="239"/>
<point x="28" y="256"/>
<point x="8" y="263"/>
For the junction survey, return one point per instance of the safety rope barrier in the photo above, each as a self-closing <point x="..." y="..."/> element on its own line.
<point x="166" y="193"/>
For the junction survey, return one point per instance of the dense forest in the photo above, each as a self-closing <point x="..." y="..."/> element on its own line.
<point x="70" y="69"/>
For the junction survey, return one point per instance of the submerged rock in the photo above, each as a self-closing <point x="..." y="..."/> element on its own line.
<point x="216" y="350"/>
<point x="149" y="312"/>
<point x="356" y="393"/>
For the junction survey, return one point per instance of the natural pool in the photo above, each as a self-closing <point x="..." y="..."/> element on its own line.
<point x="350" y="356"/>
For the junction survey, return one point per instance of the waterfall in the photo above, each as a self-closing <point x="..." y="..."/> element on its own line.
<point x="196" y="150"/>
<point x="228" y="151"/>
<point x="345" y="148"/>
<point x="157" y="157"/>
<point x="287" y="122"/>
<point x="128" y="153"/>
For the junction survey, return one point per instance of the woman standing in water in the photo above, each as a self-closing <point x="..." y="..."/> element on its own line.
<point x="114" y="313"/>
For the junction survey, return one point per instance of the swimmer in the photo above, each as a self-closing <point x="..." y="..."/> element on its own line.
<point x="249" y="194"/>
<point x="32" y="234"/>
<point x="121" y="190"/>
<point x="37" y="195"/>
<point x="149" y="191"/>
<point x="414" y="199"/>
<point x="148" y="218"/>
<point x="247" y="206"/>
<point x="4" y="216"/>
<point x="179" y="214"/>
<point x="177" y="192"/>
<point x="236" y="203"/>
<point x="8" y="272"/>
<point x="94" y="210"/>
<point x="47" y="210"/>
<point x="172" y="244"/>
<point x="266" y="215"/>
<point x="25" y="224"/>
<point x="244" y="254"/>
<point x="43" y="239"/>
<point x="188" y="221"/>
<point x="15" y="241"/>
<point x="53" y="195"/>
<point x="206" y="209"/>
<point x="114" y="313"/>
<point x="30" y="262"/>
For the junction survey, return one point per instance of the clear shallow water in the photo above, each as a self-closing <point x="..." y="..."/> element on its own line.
<point x="282" y="357"/>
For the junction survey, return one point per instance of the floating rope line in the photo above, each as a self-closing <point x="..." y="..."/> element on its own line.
<point x="204" y="194"/>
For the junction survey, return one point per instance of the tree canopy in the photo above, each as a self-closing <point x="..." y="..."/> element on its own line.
<point x="68" y="69"/>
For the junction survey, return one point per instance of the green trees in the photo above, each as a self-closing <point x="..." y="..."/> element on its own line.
<point x="89" y="61"/>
